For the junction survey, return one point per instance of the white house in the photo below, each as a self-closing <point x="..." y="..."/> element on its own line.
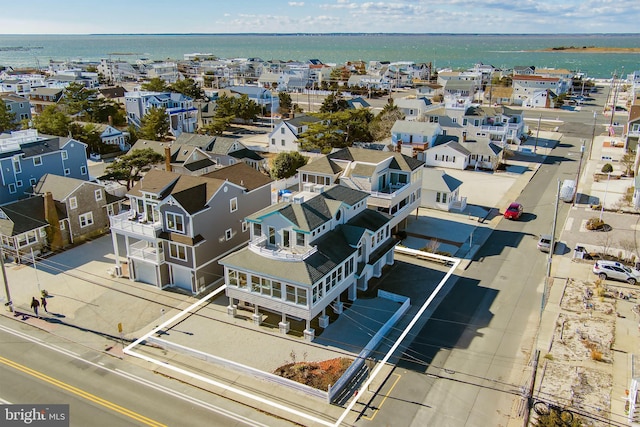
<point x="448" y="155"/>
<point x="305" y="253"/>
<point x="419" y="135"/>
<point x="413" y="108"/>
<point x="284" y="136"/>
<point x="441" y="191"/>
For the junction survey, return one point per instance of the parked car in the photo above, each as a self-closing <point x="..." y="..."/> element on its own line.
<point x="544" y="243"/>
<point x="514" y="211"/>
<point x="616" y="271"/>
<point x="568" y="190"/>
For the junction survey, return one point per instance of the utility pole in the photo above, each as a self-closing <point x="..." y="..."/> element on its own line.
<point x="551" y="249"/>
<point x="535" y="145"/>
<point x="9" y="303"/>
<point x="593" y="134"/>
<point x="575" y="196"/>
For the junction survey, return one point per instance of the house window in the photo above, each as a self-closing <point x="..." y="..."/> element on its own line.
<point x="28" y="238"/>
<point x="17" y="166"/>
<point x="64" y="155"/>
<point x="272" y="235"/>
<point x="257" y="230"/>
<point x="291" y="293"/>
<point x="242" y="280"/>
<point x="175" y="222"/>
<point x="19" y="183"/>
<point x="67" y="172"/>
<point x="86" y="219"/>
<point x="233" y="204"/>
<point x="32" y="181"/>
<point x="276" y="289"/>
<point x="98" y="194"/>
<point x="282" y="130"/>
<point x="233" y="278"/>
<point x="110" y="211"/>
<point x="62" y="226"/>
<point x="273" y="141"/>
<point x="83" y="170"/>
<point x="177" y="251"/>
<point x="245" y="226"/>
<point x="301" y="296"/>
<point x="228" y="234"/>
<point x="73" y="203"/>
<point x="37" y="161"/>
<point x="299" y="238"/>
<point x="286" y="238"/>
<point x="282" y="142"/>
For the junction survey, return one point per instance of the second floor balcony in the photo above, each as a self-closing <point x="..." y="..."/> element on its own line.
<point x="129" y="222"/>
<point x="147" y="251"/>
<point x="263" y="247"/>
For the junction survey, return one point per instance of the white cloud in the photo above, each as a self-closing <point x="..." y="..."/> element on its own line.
<point x="296" y="3"/>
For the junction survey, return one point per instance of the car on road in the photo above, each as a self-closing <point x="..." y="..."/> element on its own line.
<point x="514" y="211"/>
<point x="616" y="271"/>
<point x="544" y="243"/>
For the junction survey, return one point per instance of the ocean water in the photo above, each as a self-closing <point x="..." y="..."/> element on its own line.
<point x="443" y="50"/>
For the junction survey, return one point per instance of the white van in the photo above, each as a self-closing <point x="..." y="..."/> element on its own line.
<point x="568" y="190"/>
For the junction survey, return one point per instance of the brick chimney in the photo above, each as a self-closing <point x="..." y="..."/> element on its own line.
<point x="54" y="235"/>
<point x="167" y="158"/>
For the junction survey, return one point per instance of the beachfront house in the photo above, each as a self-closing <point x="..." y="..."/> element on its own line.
<point x="305" y="253"/>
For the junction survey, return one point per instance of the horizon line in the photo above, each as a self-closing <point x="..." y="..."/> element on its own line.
<point x="320" y="34"/>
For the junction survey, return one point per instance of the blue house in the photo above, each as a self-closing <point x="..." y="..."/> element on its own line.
<point x="25" y="157"/>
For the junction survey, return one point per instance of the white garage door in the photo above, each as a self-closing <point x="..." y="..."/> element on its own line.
<point x="182" y="278"/>
<point x="145" y="273"/>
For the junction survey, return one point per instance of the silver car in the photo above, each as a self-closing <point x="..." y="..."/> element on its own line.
<point x="617" y="271"/>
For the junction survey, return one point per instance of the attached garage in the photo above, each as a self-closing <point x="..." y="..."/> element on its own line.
<point x="182" y="278"/>
<point x="145" y="272"/>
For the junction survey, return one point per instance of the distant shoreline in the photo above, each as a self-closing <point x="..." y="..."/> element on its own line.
<point x="590" y="49"/>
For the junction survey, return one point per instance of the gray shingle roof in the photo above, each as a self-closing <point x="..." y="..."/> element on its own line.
<point x="438" y="180"/>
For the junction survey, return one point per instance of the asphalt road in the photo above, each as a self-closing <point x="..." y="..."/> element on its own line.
<point x="471" y="357"/>
<point x="40" y="368"/>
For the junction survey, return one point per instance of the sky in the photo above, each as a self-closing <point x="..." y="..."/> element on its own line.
<point x="320" y="16"/>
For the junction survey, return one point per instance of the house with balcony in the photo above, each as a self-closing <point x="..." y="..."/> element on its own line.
<point x="418" y="135"/>
<point x="285" y="134"/>
<point x="500" y="124"/>
<point x="392" y="180"/>
<point x="179" y="226"/>
<point x="182" y="115"/>
<point x="306" y="254"/>
<point x="17" y="105"/>
<point x="26" y="156"/>
<point x="526" y="86"/>
<point x="42" y="97"/>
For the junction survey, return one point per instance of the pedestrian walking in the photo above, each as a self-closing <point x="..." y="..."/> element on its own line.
<point x="44" y="303"/>
<point x="34" y="305"/>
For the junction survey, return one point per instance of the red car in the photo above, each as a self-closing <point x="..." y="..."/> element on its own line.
<point x="514" y="211"/>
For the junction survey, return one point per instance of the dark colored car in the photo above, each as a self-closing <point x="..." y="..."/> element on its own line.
<point x="514" y="211"/>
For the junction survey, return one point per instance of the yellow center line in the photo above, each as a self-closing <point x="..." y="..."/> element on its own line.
<point x="85" y="395"/>
<point x="375" y="411"/>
